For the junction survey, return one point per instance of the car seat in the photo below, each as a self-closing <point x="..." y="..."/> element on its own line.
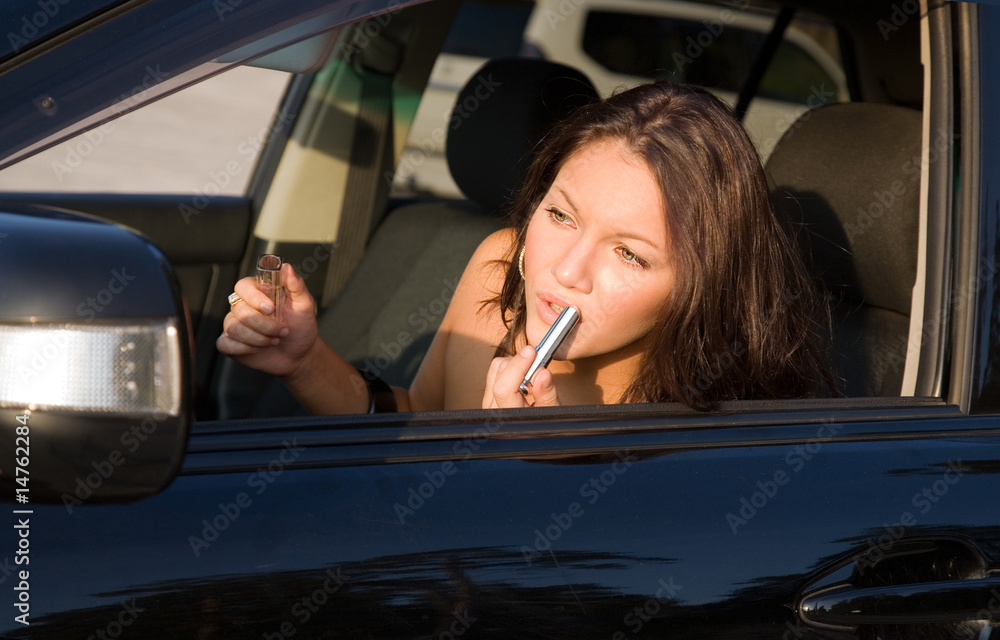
<point x="847" y="178"/>
<point x="385" y="317"/>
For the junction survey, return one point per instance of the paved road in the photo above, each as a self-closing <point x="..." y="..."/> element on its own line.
<point x="181" y="144"/>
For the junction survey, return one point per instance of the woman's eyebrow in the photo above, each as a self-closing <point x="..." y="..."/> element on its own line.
<point x="569" y="200"/>
<point x="633" y="236"/>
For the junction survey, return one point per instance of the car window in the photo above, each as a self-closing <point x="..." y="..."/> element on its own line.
<point x="717" y="56"/>
<point x="488" y="29"/>
<point x="715" y="48"/>
<point x="794" y="74"/>
<point x="621" y="47"/>
<point x="482" y="29"/>
<point x="202" y="140"/>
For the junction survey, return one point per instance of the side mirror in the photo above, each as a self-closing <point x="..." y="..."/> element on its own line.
<point x="95" y="361"/>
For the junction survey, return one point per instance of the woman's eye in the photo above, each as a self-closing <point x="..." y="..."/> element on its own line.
<point x="631" y="257"/>
<point x="558" y="216"/>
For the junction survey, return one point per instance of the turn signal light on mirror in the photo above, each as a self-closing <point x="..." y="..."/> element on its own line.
<point x="127" y="370"/>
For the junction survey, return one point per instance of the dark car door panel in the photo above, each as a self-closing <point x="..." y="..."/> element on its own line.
<point x="513" y="529"/>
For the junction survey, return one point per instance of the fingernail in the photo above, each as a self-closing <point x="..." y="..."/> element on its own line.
<point x="267" y="308"/>
<point x="283" y="332"/>
<point x="527" y="352"/>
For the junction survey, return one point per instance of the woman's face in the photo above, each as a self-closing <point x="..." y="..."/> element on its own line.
<point x="598" y="242"/>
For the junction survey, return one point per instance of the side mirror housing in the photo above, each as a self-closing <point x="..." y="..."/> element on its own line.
<point x="95" y="361"/>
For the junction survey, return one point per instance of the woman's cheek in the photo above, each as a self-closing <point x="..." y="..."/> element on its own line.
<point x="621" y="292"/>
<point x="638" y="300"/>
<point x="611" y="300"/>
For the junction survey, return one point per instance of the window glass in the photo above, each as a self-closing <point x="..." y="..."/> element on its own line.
<point x="717" y="56"/>
<point x="482" y="30"/>
<point x="488" y="29"/>
<point x="203" y="139"/>
<point x="793" y="75"/>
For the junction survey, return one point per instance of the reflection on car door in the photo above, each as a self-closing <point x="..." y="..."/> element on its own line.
<point x="514" y="525"/>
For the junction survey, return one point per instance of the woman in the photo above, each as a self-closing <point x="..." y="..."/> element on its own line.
<point x="648" y="212"/>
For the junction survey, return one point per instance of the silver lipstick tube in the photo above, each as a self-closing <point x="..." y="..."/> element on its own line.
<point x="547" y="347"/>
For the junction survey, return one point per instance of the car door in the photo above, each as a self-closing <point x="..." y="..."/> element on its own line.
<point x="849" y="517"/>
<point x="601" y="523"/>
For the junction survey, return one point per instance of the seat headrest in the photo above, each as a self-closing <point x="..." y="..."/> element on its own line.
<point x="499" y="117"/>
<point x="850" y="175"/>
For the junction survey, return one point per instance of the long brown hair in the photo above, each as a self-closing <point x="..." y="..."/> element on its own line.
<point x="744" y="319"/>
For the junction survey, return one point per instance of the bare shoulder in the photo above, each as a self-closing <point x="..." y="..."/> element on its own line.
<point x="486" y="270"/>
<point x="453" y="373"/>
<point x="470" y="313"/>
<point x="497" y="245"/>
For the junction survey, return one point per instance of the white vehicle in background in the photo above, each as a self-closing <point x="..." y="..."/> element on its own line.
<point x="621" y="43"/>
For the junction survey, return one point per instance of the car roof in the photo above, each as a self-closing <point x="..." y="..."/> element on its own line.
<point x="29" y="22"/>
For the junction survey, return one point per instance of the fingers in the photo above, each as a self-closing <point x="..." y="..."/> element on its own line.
<point x="296" y="292"/>
<point x="252" y="335"/>
<point x="543" y="390"/>
<point x="510" y="374"/>
<point x="297" y="296"/>
<point x="248" y="327"/>
<point x="504" y="380"/>
<point x="294" y="285"/>
<point x="246" y="289"/>
<point x="489" y="401"/>
<point x="231" y="347"/>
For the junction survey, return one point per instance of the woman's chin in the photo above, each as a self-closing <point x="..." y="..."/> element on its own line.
<point x="535" y="330"/>
<point x="562" y="353"/>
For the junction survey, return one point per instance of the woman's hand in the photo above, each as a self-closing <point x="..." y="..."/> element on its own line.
<point x="251" y="336"/>
<point x="504" y="380"/>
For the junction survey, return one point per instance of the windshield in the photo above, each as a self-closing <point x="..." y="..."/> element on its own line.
<point x="115" y="65"/>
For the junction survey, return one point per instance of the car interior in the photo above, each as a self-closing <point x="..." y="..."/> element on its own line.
<point x="869" y="268"/>
<point x="420" y="247"/>
<point x="381" y="264"/>
<point x="417" y="253"/>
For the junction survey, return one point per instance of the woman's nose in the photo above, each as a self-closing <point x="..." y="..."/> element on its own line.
<point x="573" y="270"/>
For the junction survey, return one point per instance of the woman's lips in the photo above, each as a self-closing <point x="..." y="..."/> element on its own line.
<point x="549" y="307"/>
